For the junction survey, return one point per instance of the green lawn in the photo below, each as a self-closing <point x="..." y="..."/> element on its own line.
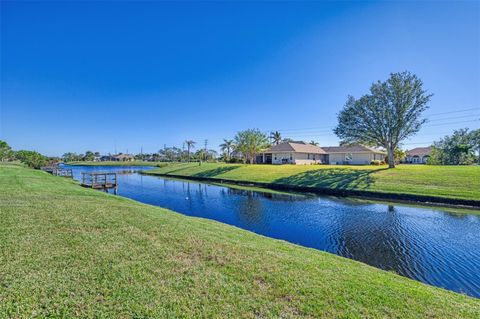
<point x="69" y="251"/>
<point x="118" y="163"/>
<point x="456" y="182"/>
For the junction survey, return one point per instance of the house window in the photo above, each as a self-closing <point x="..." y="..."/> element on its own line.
<point x="313" y="156"/>
<point x="291" y="157"/>
<point x="308" y="156"/>
<point x="348" y="157"/>
<point x="275" y="158"/>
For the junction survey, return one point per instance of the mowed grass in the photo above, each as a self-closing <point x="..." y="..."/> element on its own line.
<point x="457" y="182"/>
<point x="68" y="251"/>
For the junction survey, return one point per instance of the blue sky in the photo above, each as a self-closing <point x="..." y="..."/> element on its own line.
<point x="102" y="76"/>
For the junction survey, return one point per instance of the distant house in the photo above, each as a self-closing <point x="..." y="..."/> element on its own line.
<point x="293" y="153"/>
<point x="122" y="158"/>
<point x="355" y="154"/>
<point x="418" y="155"/>
<point x="106" y="158"/>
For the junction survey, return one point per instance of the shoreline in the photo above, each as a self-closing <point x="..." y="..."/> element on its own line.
<point x="401" y="198"/>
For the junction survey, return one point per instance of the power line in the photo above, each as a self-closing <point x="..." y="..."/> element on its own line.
<point x="456" y="117"/>
<point x="318" y="129"/>
<point x="441" y="124"/>
<point x="457" y="111"/>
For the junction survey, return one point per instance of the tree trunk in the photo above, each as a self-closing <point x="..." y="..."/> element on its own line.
<point x="391" y="157"/>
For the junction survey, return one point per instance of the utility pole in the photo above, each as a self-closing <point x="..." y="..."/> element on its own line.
<point x="205" y="151"/>
<point x="141" y="152"/>
<point x="183" y="152"/>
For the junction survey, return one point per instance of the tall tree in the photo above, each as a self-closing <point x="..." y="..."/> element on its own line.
<point x="391" y="113"/>
<point x="475" y="141"/>
<point x="276" y="137"/>
<point x="89" y="156"/>
<point x="251" y="142"/>
<point x="227" y="147"/>
<point x="190" y="146"/>
<point x="6" y="152"/>
<point x="312" y="142"/>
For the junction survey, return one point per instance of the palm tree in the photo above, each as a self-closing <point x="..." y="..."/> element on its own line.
<point x="190" y="145"/>
<point x="314" y="143"/>
<point x="227" y="147"/>
<point x="276" y="137"/>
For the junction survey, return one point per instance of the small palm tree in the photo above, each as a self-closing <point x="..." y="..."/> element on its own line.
<point x="190" y="145"/>
<point x="314" y="143"/>
<point x="276" y="137"/>
<point x="227" y="147"/>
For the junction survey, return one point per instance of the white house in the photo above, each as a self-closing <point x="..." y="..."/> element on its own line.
<point x="293" y="153"/>
<point x="355" y="154"/>
<point x="418" y="155"/>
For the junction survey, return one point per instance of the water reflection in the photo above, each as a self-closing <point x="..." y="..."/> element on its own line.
<point x="428" y="244"/>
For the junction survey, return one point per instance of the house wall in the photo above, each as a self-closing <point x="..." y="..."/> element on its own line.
<point x="357" y="158"/>
<point x="417" y="159"/>
<point x="297" y="158"/>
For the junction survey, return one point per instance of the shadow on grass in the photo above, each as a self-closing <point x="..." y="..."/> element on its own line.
<point x="335" y="178"/>
<point x="212" y="173"/>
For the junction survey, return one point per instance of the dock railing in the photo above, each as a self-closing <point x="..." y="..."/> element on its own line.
<point x="63" y="172"/>
<point x="103" y="181"/>
<point x="55" y="170"/>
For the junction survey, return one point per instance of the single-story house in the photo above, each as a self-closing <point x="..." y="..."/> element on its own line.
<point x="123" y="158"/>
<point x="418" y="155"/>
<point x="293" y="153"/>
<point x="106" y="158"/>
<point x="354" y="154"/>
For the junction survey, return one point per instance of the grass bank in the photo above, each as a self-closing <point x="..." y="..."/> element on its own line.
<point x="448" y="184"/>
<point x="69" y="251"/>
<point x="118" y="163"/>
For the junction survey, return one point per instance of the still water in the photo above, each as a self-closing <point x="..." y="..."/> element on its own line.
<point x="432" y="245"/>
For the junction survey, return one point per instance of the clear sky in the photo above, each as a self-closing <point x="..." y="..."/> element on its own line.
<point x="101" y="76"/>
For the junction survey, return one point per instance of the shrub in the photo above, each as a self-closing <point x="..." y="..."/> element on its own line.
<point x="377" y="162"/>
<point x="234" y="160"/>
<point x="31" y="158"/>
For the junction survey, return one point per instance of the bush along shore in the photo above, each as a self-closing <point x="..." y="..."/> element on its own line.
<point x="451" y="185"/>
<point x="69" y="251"/>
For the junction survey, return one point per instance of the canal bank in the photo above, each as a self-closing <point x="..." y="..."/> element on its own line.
<point x="117" y="257"/>
<point x="452" y="186"/>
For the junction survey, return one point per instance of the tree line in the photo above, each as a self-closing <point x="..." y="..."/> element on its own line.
<point x="30" y="158"/>
<point x="456" y="149"/>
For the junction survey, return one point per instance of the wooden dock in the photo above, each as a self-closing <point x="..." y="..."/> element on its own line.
<point x="103" y="181"/>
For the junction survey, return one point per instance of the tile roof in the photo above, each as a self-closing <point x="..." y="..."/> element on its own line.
<point x="420" y="151"/>
<point x="295" y="147"/>
<point x="352" y="149"/>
